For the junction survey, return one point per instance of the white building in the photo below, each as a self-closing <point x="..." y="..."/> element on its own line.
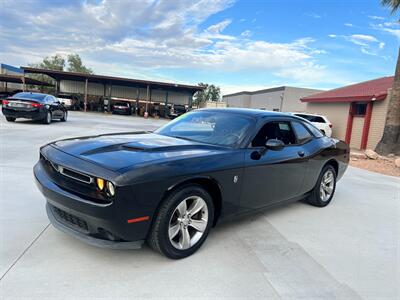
<point x="283" y="98"/>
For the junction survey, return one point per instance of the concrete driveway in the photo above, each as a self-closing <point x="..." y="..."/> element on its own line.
<point x="347" y="250"/>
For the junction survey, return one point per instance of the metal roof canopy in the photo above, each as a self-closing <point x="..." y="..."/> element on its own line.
<point x="62" y="75"/>
<point x="20" y="79"/>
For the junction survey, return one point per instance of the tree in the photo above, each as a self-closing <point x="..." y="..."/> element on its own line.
<point x="55" y="62"/>
<point x="209" y="93"/>
<point x="394" y="5"/>
<point x="390" y="142"/>
<point x="75" y="64"/>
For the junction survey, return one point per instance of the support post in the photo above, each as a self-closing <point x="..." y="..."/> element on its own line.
<point x="349" y="124"/>
<point x="23" y="83"/>
<point x="57" y="87"/>
<point x="86" y="92"/>
<point x="367" y="122"/>
<point x="146" y="114"/>
<point x="190" y="101"/>
<point x="109" y="97"/>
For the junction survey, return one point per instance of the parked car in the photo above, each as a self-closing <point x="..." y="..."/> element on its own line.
<point x="171" y="186"/>
<point x="35" y="106"/>
<point x="123" y="108"/>
<point x="175" y="110"/>
<point x="321" y="122"/>
<point x="71" y="102"/>
<point x="67" y="103"/>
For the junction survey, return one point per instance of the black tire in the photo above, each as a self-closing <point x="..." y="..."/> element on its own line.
<point x="10" y="119"/>
<point x="47" y="119"/>
<point x="158" y="238"/>
<point x="315" y="198"/>
<point x="64" y="117"/>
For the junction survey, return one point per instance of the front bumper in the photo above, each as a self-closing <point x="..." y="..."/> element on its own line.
<point x="102" y="225"/>
<point x="102" y="243"/>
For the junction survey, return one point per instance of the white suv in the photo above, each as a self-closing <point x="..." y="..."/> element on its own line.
<point x="321" y="122"/>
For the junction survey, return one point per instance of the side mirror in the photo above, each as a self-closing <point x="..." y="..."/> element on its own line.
<point x="274" y="145"/>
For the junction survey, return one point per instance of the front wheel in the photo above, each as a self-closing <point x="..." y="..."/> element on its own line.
<point x="47" y="119"/>
<point x="323" y="191"/>
<point x="64" y="117"/>
<point x="183" y="222"/>
<point x="10" y="119"/>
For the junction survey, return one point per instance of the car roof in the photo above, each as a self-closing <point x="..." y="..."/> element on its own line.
<point x="249" y="112"/>
<point x="29" y="96"/>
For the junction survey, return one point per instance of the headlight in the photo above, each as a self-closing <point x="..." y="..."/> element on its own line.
<point x="100" y="183"/>
<point x="110" y="188"/>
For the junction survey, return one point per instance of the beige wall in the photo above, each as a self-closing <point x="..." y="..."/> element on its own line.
<point x="356" y="132"/>
<point x="291" y="100"/>
<point x="337" y="113"/>
<point x="377" y="125"/>
<point x="267" y="101"/>
<point x="242" y="100"/>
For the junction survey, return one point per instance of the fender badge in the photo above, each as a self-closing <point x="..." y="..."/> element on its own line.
<point x="235" y="178"/>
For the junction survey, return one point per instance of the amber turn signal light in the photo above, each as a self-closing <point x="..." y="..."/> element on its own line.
<point x="100" y="183"/>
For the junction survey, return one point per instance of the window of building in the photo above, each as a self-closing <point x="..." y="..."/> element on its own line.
<point x="359" y="109"/>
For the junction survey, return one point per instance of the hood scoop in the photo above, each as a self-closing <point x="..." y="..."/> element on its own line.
<point x="112" y="148"/>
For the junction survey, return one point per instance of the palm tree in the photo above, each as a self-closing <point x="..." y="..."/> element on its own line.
<point x="390" y="142"/>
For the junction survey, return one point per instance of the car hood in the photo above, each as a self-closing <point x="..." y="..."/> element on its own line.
<point x="119" y="151"/>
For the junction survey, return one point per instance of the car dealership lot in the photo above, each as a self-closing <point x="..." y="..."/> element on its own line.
<point x="349" y="249"/>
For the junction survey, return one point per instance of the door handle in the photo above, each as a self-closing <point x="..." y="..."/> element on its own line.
<point x="301" y="153"/>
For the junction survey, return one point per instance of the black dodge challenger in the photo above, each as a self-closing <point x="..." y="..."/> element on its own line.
<point x="171" y="186"/>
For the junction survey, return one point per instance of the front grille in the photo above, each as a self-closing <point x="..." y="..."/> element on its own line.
<point x="70" y="219"/>
<point x="69" y="172"/>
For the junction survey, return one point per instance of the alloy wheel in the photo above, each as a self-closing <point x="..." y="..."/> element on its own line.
<point x="188" y="222"/>
<point x="327" y="186"/>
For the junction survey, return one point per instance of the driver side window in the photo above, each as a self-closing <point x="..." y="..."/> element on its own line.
<point x="279" y="130"/>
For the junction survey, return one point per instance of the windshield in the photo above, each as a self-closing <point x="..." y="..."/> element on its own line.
<point x="211" y="127"/>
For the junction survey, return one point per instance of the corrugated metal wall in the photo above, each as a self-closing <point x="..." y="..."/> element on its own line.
<point x="96" y="89"/>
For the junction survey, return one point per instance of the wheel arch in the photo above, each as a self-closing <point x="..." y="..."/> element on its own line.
<point x="206" y="182"/>
<point x="333" y="162"/>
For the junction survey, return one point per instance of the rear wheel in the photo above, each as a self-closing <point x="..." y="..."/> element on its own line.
<point x="183" y="222"/>
<point x="10" y="119"/>
<point x="323" y="191"/>
<point x="64" y="117"/>
<point x="48" y="118"/>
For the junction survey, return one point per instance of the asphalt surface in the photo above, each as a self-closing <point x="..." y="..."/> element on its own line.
<point x="348" y="250"/>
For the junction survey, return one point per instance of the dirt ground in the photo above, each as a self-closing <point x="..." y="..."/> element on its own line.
<point x="383" y="166"/>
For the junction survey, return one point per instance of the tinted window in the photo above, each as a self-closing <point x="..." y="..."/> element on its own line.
<point x="121" y="104"/>
<point x="211" y="127"/>
<point x="301" y="132"/>
<point x="275" y="131"/>
<point x="30" y="96"/>
<point x="359" y="109"/>
<point x="316" y="119"/>
<point x="314" y="130"/>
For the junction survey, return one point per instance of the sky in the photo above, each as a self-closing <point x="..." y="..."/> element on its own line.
<point x="237" y="45"/>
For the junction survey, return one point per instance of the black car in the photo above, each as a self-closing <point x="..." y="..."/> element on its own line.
<point x="123" y="108"/>
<point x="171" y="186"/>
<point x="35" y="106"/>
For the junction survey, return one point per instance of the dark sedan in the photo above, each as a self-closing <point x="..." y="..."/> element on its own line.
<point x="122" y="108"/>
<point x="171" y="186"/>
<point x="34" y="106"/>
